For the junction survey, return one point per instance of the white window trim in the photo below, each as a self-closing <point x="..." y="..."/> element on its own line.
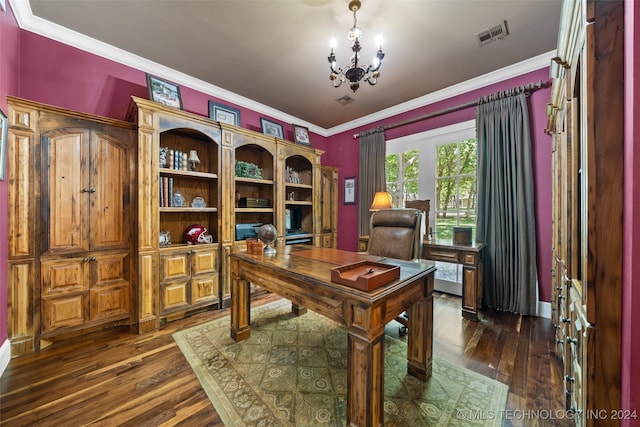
<point x="426" y="143"/>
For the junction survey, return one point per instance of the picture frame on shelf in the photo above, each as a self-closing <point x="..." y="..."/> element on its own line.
<point x="224" y="113"/>
<point x="350" y="190"/>
<point x="164" y="92"/>
<point x="301" y="134"/>
<point x="271" y="128"/>
<point x="4" y="123"/>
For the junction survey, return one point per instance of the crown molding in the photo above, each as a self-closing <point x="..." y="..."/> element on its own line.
<point x="27" y="21"/>
<point x="511" y="71"/>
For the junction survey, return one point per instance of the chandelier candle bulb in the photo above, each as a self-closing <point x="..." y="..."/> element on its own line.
<point x="379" y="41"/>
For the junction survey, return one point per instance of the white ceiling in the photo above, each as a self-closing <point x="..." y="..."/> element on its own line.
<point x="275" y="52"/>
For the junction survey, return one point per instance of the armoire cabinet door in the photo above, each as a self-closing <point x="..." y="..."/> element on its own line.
<point x="65" y="293"/>
<point x="85" y="176"/>
<point x="110" y="286"/>
<point x="108" y="183"/>
<point x="65" y="155"/>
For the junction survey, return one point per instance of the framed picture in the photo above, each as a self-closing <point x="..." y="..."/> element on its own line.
<point x="271" y="128"/>
<point x="224" y="114"/>
<point x="350" y="190"/>
<point x="301" y="135"/>
<point x="164" y="92"/>
<point x="3" y="145"/>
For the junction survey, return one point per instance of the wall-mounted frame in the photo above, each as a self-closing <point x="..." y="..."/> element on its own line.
<point x="350" y="190"/>
<point x="223" y="113"/>
<point x="4" y="123"/>
<point x="271" y="128"/>
<point x="164" y="92"/>
<point x="301" y="135"/>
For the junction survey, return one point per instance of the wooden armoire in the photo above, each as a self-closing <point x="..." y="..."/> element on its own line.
<point x="71" y="264"/>
<point x="586" y="122"/>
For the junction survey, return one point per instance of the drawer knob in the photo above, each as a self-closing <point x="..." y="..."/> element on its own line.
<point x="569" y="379"/>
<point x="572" y="341"/>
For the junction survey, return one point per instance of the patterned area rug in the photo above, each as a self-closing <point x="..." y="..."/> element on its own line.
<point x="293" y="372"/>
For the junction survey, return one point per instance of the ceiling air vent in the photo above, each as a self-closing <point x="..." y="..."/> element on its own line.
<point x="345" y="100"/>
<point x="493" y="33"/>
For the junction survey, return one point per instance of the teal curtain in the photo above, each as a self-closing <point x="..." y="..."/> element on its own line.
<point x="506" y="211"/>
<point x="372" y="174"/>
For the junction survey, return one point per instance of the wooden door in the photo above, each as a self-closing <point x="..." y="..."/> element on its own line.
<point x="108" y="185"/>
<point x="65" y="208"/>
<point x="204" y="271"/>
<point x="65" y="293"/>
<point x="110" y="286"/>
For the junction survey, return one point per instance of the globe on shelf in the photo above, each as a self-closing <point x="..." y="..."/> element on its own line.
<point x="268" y="235"/>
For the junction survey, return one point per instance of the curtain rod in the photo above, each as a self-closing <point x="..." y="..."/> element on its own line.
<point x="531" y="87"/>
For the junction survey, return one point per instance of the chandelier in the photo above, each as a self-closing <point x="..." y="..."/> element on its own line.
<point x="355" y="72"/>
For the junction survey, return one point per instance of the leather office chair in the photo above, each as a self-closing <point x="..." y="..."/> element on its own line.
<point x="396" y="233"/>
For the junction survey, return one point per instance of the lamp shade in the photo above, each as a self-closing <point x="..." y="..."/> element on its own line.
<point x="193" y="156"/>
<point x="381" y="200"/>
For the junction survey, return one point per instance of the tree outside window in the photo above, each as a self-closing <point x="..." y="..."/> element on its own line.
<point x="455" y="205"/>
<point x="402" y="176"/>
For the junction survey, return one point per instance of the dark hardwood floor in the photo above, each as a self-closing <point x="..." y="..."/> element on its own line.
<point x="114" y="377"/>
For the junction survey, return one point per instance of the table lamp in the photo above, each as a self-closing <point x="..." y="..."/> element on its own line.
<point x="381" y="200"/>
<point x="193" y="159"/>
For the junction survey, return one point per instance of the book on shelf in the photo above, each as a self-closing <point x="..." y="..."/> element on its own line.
<point x="170" y="193"/>
<point x="165" y="190"/>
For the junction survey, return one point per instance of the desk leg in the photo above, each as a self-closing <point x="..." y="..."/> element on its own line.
<point x="420" y="339"/>
<point x="298" y="309"/>
<point x="240" y="304"/>
<point x="365" y="382"/>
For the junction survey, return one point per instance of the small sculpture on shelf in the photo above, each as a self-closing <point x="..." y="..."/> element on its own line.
<point x="177" y="200"/>
<point x="198" y="202"/>
<point x="163" y="156"/>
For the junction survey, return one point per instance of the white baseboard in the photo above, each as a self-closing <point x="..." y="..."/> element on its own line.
<point x="5" y="355"/>
<point x="544" y="309"/>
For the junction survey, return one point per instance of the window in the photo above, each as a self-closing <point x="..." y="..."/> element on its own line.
<point x="455" y="205"/>
<point x="452" y="148"/>
<point x="402" y="176"/>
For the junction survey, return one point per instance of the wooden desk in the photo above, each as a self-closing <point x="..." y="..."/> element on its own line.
<point x="302" y="274"/>
<point x="471" y="257"/>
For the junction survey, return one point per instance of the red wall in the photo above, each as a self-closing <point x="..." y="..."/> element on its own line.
<point x="630" y="387"/>
<point x="344" y="154"/>
<point x="9" y="79"/>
